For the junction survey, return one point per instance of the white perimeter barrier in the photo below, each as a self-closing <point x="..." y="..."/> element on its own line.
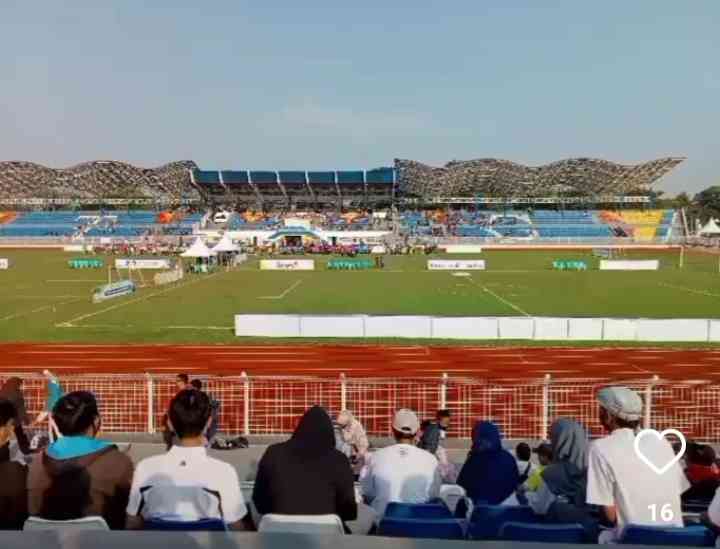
<point x="456" y="265"/>
<point x="479" y="328"/>
<point x="287" y="265"/>
<point x="627" y="265"/>
<point x="4" y="263"/>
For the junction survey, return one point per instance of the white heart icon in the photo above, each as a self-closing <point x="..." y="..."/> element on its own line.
<point x="661" y="434"/>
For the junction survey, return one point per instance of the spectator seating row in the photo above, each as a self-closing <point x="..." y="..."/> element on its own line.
<point x="519" y="523"/>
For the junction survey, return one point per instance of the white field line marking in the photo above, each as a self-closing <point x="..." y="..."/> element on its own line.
<point x="199" y="327"/>
<point x="691" y="290"/>
<point x="132" y="301"/>
<point x="38" y="296"/>
<point x="78" y="280"/>
<point x="499" y="298"/>
<point x="39" y="309"/>
<point x="285" y="293"/>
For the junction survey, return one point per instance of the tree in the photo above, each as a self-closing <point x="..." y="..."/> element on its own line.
<point x="708" y="203"/>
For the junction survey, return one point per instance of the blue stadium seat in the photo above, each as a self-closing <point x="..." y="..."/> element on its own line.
<point x="421" y="528"/>
<point x="690" y="536"/>
<point x="204" y="525"/>
<point x="542" y="533"/>
<point x="487" y="520"/>
<point x="417" y="511"/>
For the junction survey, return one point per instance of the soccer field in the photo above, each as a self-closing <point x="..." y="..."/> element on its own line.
<point x="42" y="299"/>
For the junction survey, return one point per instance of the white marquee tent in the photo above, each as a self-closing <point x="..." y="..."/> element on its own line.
<point x="198" y="249"/>
<point x="225" y="245"/>
<point x="710" y="228"/>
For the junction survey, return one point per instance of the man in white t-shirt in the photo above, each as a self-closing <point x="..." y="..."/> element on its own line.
<point x="626" y="488"/>
<point x="185" y="484"/>
<point x="402" y="472"/>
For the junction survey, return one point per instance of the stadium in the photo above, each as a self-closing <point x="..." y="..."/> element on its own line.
<point x="493" y="289"/>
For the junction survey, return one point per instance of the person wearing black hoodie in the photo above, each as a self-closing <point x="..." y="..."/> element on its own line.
<point x="306" y="475"/>
<point x="80" y="475"/>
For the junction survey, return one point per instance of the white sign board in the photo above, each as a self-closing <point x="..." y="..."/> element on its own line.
<point x="462" y="249"/>
<point x="287" y="265"/>
<point x="456" y="265"/>
<point x="627" y="265"/>
<point x="162" y="263"/>
<point x="4" y="263"/>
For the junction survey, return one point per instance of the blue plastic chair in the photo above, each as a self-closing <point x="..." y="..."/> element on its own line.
<point x="690" y="536"/>
<point x="543" y="533"/>
<point x="487" y="520"/>
<point x="417" y="510"/>
<point x="421" y="528"/>
<point x="203" y="525"/>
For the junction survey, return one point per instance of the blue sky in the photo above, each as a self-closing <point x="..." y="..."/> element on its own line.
<point x="328" y="84"/>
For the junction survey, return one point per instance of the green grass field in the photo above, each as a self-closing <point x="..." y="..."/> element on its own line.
<point x="42" y="299"/>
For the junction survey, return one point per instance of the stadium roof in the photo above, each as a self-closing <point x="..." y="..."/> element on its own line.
<point x="495" y="177"/>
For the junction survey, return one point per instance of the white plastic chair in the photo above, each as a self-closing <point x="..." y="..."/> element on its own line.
<point x="301" y="524"/>
<point x="85" y="523"/>
<point x="451" y="494"/>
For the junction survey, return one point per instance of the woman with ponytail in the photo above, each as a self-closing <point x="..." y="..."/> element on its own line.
<point x="79" y="475"/>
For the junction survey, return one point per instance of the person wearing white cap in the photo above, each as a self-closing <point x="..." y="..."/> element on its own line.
<point x="623" y="485"/>
<point x="402" y="472"/>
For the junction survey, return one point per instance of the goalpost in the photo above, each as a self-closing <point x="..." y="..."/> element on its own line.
<point x="139" y="278"/>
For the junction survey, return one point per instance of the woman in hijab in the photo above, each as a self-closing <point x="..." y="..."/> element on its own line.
<point x="490" y="474"/>
<point x="12" y="391"/>
<point x="306" y="475"/>
<point x="561" y="496"/>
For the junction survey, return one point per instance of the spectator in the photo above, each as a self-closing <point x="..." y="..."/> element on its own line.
<point x="12" y="391"/>
<point x="490" y="473"/>
<point x="79" y="475"/>
<point x="561" y="496"/>
<point x="306" y="475"/>
<point x="432" y="440"/>
<point x="185" y="484"/>
<point x="13" y="475"/>
<point x="181" y="383"/>
<point x="214" y="413"/>
<point x="54" y="393"/>
<point x="625" y="487"/>
<point x="702" y="471"/>
<point x="402" y="472"/>
<point x="544" y="453"/>
<point x="523" y="457"/>
<point x="353" y="435"/>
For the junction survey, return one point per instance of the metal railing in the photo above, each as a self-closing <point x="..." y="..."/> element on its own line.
<point x="272" y="405"/>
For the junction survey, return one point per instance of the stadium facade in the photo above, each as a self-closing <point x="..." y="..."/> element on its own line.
<point x="406" y="180"/>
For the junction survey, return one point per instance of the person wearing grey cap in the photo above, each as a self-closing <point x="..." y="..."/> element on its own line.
<point x="626" y="488"/>
<point x="402" y="472"/>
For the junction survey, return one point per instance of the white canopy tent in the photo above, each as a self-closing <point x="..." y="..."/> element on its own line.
<point x="198" y="249"/>
<point x="711" y="228"/>
<point x="225" y="245"/>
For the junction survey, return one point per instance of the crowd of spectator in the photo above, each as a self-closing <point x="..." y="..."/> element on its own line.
<point x="602" y="485"/>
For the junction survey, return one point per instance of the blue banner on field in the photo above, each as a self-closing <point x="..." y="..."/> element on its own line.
<point x="115" y="289"/>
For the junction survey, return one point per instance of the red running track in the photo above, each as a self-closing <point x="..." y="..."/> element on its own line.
<point x="367" y="360"/>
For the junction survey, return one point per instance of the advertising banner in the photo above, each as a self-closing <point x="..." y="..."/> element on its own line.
<point x="115" y="289"/>
<point x="287" y="265"/>
<point x="638" y="265"/>
<point x="462" y="249"/>
<point x="456" y="265"/>
<point x="4" y="263"/>
<point x="128" y="263"/>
